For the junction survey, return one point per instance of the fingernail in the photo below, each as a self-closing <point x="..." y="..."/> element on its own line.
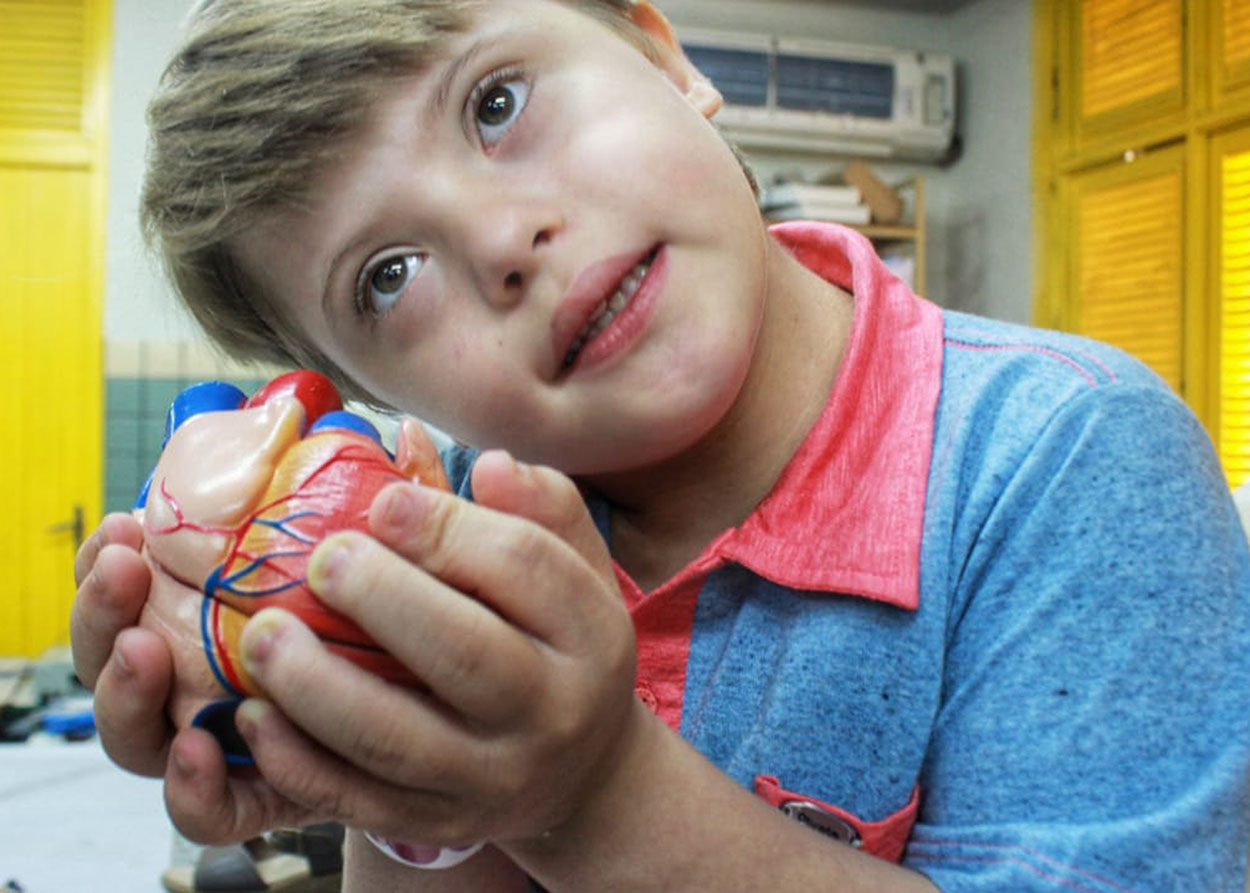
<point x="260" y="637"/>
<point x="329" y="561"/>
<point x="401" y="507"/>
<point x="523" y="470"/>
<point x="248" y="717"/>
<point x="515" y="467"/>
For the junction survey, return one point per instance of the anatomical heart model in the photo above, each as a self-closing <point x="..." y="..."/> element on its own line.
<point x="244" y="490"/>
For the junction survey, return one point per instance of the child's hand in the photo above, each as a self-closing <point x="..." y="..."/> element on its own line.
<point x="508" y="611"/>
<point x="128" y="669"/>
<point x="131" y="671"/>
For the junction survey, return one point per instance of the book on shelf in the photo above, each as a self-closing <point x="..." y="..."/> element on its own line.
<point x="794" y="200"/>
<point x="791" y="192"/>
<point x="855" y="214"/>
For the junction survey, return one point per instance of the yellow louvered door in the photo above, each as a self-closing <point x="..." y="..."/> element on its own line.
<point x="52" y="189"/>
<point x="1128" y="259"/>
<point x="1232" y="244"/>
<point x="1130" y="63"/>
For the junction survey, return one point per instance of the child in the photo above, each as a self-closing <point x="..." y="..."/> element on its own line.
<point x="968" y="597"/>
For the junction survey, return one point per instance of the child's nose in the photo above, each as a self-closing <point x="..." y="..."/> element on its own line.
<point x="509" y="242"/>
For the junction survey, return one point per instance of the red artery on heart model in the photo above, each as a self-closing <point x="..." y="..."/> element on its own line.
<point x="243" y="492"/>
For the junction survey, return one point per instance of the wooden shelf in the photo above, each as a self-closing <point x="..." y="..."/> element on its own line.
<point x="897" y="232"/>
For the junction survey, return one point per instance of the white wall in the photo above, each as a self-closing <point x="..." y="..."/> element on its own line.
<point x="826" y="20"/>
<point x="979" y="213"/>
<point x="138" y="305"/>
<point x="985" y="260"/>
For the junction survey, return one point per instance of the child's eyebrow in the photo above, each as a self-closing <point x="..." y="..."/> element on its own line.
<point x="442" y="94"/>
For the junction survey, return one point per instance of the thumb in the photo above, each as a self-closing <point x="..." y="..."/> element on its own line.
<point x="544" y="496"/>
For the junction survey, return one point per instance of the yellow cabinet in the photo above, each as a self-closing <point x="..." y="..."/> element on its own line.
<point x="1142" y="173"/>
<point x="1230" y="249"/>
<point x="1230" y="38"/>
<point x="1128" y="257"/>
<point x="1130" y="64"/>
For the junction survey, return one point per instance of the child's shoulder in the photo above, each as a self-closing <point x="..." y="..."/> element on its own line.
<point x="979" y="346"/>
<point x="1008" y="389"/>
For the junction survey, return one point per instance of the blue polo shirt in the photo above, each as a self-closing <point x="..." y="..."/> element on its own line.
<point x="993" y="621"/>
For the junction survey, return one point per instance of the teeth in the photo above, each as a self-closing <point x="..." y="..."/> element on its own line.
<point x="606" y="312"/>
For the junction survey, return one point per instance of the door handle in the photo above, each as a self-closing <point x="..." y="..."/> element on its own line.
<point x="74" y="525"/>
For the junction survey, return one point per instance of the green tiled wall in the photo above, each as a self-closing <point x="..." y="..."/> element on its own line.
<point x="143" y="379"/>
<point x="134" y="425"/>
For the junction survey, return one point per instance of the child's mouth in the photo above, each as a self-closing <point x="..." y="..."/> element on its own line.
<point x="608" y="310"/>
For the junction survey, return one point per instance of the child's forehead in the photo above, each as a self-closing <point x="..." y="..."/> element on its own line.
<point x="524" y="25"/>
<point x="474" y="19"/>
<point x="479" y="15"/>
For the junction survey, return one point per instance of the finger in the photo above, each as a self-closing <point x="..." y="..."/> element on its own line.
<point x="210" y="805"/>
<point x="117" y="528"/>
<point x="521" y="570"/>
<point x="388" y="731"/>
<point x="324" y="784"/>
<point x="544" y="496"/>
<point x="109" y="599"/>
<point x="130" y="699"/>
<point x="468" y="656"/>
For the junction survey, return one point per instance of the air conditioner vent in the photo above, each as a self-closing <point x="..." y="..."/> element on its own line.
<point x="847" y="99"/>
<point x="741" y="75"/>
<point x="837" y="86"/>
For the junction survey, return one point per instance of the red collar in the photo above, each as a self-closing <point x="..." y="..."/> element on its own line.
<point x="847" y="513"/>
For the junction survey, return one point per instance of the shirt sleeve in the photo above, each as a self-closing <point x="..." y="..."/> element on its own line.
<point x="1093" y="732"/>
<point x="458" y="462"/>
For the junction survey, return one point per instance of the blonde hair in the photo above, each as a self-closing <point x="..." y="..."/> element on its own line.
<point x="255" y="103"/>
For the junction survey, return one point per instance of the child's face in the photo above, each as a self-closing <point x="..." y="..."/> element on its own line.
<point x="453" y="259"/>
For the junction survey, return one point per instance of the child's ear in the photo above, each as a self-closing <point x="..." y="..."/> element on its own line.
<point x="697" y="89"/>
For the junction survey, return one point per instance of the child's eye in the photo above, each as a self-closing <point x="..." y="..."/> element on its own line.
<point x="496" y="104"/>
<point x="384" y="283"/>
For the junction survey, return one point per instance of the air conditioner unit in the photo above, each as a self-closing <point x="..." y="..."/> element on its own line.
<point x="816" y="96"/>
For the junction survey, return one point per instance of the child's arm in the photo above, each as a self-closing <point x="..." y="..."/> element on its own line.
<point x="533" y="737"/>
<point x="1094" y="722"/>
